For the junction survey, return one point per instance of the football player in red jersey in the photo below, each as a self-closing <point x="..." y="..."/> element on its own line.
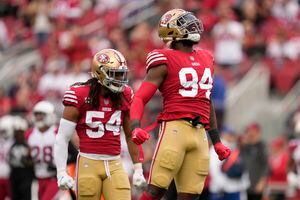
<point x="98" y="109"/>
<point x="184" y="77"/>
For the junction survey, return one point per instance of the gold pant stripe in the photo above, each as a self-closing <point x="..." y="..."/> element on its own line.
<point x="161" y="133"/>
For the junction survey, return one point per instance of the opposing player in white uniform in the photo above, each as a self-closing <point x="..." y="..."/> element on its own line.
<point x="41" y="140"/>
<point x="294" y="166"/>
<point x="6" y="135"/>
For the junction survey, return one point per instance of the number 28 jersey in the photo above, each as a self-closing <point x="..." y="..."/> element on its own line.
<point x="98" y="129"/>
<point x="41" y="150"/>
<point x="186" y="89"/>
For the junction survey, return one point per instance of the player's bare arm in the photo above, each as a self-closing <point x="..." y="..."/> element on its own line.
<point x="136" y="153"/>
<point x="212" y="119"/>
<point x="132" y="147"/>
<point x="71" y="113"/>
<point x="156" y="75"/>
<point x="154" y="78"/>
<point x="222" y="151"/>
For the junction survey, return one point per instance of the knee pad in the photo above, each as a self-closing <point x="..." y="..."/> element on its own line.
<point x="87" y="187"/>
<point x="168" y="162"/>
<point x="203" y="167"/>
<point x="121" y="181"/>
<point x="119" y="187"/>
<point x="169" y="159"/>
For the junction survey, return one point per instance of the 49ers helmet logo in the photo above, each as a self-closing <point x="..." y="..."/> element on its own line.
<point x="103" y="58"/>
<point x="165" y="19"/>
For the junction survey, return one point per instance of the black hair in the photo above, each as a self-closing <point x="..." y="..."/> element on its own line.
<point x="95" y="93"/>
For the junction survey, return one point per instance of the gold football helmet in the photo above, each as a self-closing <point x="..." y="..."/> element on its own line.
<point x="178" y="24"/>
<point x="110" y="68"/>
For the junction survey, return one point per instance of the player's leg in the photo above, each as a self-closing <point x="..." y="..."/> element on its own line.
<point x="4" y="189"/>
<point x="191" y="177"/>
<point x="171" y="193"/>
<point x="153" y="193"/>
<point x="116" y="185"/>
<point x="167" y="158"/>
<point x="25" y="189"/>
<point x="41" y="188"/>
<point x="187" y="196"/>
<point x="88" y="184"/>
<point x="51" y="189"/>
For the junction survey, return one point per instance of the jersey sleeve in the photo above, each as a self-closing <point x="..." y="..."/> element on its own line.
<point x="128" y="96"/>
<point x="72" y="97"/>
<point x="155" y="58"/>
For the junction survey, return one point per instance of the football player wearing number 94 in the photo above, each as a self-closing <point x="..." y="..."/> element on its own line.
<point x="184" y="77"/>
<point x="98" y="109"/>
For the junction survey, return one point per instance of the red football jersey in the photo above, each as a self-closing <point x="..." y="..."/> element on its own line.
<point x="98" y="129"/>
<point x="186" y="89"/>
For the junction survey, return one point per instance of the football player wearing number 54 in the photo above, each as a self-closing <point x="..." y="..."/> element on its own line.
<point x="98" y="110"/>
<point x="183" y="75"/>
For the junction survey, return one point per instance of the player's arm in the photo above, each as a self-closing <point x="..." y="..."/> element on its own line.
<point x="154" y="78"/>
<point x="136" y="153"/>
<point x="65" y="131"/>
<point x="222" y="151"/>
<point x="135" y="150"/>
<point x="213" y="125"/>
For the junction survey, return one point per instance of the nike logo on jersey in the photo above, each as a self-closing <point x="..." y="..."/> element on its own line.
<point x="193" y="61"/>
<point x="195" y="64"/>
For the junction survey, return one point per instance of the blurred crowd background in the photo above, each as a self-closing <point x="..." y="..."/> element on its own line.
<point x="47" y="45"/>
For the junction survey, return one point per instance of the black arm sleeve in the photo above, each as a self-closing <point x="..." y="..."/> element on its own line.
<point x="213" y="128"/>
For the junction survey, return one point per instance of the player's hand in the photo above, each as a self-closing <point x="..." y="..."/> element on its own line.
<point x="139" y="136"/>
<point x="138" y="178"/>
<point x="64" y="181"/>
<point x="222" y="151"/>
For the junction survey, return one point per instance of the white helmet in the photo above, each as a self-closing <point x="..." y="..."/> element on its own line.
<point x="20" y="124"/>
<point x="46" y="108"/>
<point x="6" y="126"/>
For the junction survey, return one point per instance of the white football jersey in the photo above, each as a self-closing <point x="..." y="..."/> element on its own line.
<point x="41" y="145"/>
<point x="5" y="145"/>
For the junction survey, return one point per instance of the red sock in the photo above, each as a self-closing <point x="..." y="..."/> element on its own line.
<point x="146" y="196"/>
